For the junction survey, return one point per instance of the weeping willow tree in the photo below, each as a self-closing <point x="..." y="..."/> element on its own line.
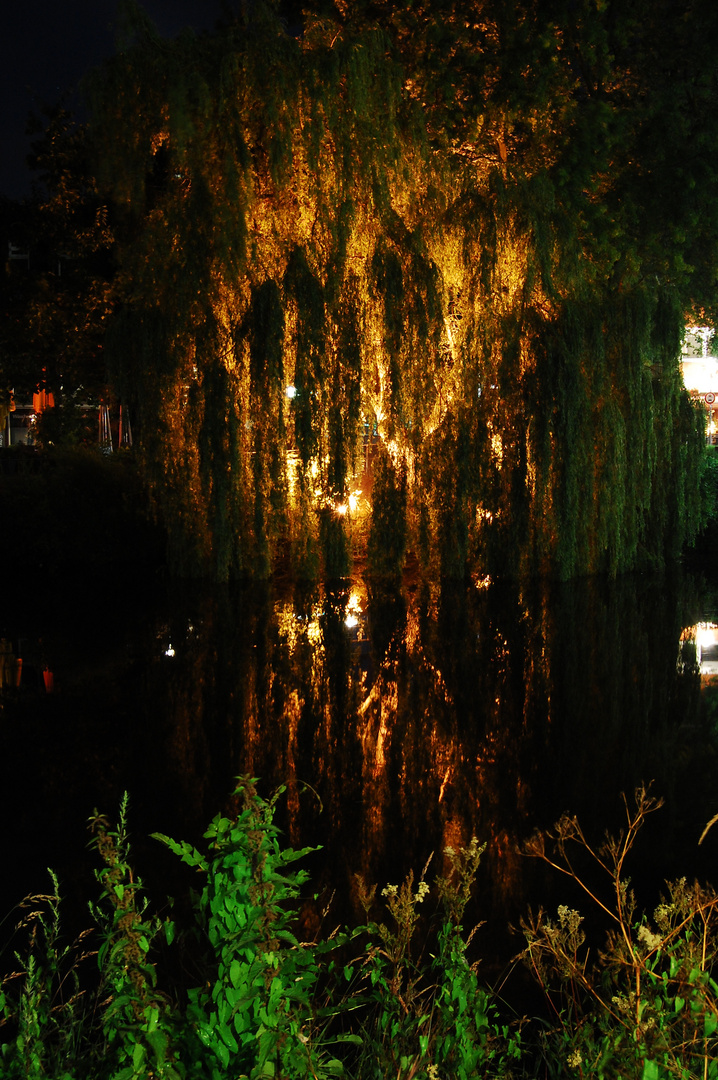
<point x="402" y="281"/>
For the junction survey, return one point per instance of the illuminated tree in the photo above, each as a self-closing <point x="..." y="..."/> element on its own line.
<point x="410" y="247"/>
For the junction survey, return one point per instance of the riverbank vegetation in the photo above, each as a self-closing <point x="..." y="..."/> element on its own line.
<point x="239" y="992"/>
<point x="75" y="510"/>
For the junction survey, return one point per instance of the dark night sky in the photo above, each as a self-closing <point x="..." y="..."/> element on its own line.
<point x="45" y="48"/>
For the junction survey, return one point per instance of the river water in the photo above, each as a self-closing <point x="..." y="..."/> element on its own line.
<point x="400" y="722"/>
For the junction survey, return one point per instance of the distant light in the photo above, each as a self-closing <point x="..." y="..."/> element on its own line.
<point x="351" y="621"/>
<point x="169" y="651"/>
<point x="341" y="510"/>
<point x="291" y="392"/>
<point x="706" y="635"/>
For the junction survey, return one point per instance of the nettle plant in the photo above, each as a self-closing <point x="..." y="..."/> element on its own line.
<point x="139" y="1028"/>
<point x="647" y="1005"/>
<point x="256" y="1014"/>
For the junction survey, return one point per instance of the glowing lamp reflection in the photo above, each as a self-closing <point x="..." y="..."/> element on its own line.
<point x="353" y="611"/>
<point x="291" y="392"/>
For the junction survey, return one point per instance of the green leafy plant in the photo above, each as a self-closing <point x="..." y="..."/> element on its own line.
<point x="647" y="1006"/>
<point x="138" y="1024"/>
<point x="255" y="1015"/>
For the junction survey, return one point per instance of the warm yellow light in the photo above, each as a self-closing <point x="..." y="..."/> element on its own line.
<point x="706" y="635"/>
<point x="341" y="510"/>
<point x="353" y="611"/>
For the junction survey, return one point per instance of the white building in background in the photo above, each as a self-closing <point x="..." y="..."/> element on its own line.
<point x="700" y="374"/>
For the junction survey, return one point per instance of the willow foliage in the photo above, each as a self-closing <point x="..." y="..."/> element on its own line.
<point x="385" y="285"/>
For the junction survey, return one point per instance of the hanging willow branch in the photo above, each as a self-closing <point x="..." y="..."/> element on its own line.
<point x="375" y="302"/>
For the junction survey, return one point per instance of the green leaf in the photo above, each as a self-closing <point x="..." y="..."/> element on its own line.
<point x="159" y="1042"/>
<point x="186" y="852"/>
<point x="350" y="1038"/>
<point x="138" y="1055"/>
<point x="222" y="1052"/>
<point x="227" y="1036"/>
<point x="650" y="1071"/>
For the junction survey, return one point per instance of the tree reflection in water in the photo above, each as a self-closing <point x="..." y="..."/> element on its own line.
<point x="401" y="722"/>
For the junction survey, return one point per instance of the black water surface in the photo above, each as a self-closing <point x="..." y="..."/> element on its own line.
<point x="401" y="723"/>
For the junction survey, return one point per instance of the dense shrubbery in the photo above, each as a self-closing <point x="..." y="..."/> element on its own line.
<point x="74" y="508"/>
<point x="254" y="1001"/>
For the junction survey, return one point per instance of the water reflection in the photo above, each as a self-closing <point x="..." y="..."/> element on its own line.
<point x="405" y="722"/>
<point x="400" y="722"/>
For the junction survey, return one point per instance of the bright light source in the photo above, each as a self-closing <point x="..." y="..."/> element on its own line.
<point x="169" y="651"/>
<point x="291" y="392"/>
<point x="706" y="635"/>
<point x="353" y="611"/>
<point x="352" y="502"/>
<point x="341" y="510"/>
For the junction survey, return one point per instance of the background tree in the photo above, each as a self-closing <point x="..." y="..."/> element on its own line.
<point x="55" y="307"/>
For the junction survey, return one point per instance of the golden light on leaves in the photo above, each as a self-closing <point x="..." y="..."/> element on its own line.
<point x="351" y="279"/>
